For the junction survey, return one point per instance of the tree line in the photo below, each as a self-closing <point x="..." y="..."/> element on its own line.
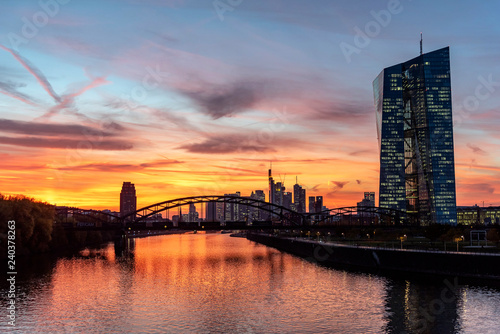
<point x="35" y="229"/>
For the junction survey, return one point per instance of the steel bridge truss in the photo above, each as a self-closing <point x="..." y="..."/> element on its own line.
<point x="352" y="215"/>
<point x="65" y="213"/>
<point x="276" y="211"/>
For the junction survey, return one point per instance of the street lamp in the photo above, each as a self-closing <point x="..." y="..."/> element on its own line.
<point x="457" y="240"/>
<point x="402" y="238"/>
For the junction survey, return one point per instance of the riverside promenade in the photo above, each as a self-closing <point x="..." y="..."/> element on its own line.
<point x="482" y="266"/>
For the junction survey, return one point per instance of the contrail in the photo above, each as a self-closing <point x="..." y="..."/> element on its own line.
<point x="18" y="96"/>
<point x="40" y="77"/>
<point x="68" y="99"/>
<point x="9" y="90"/>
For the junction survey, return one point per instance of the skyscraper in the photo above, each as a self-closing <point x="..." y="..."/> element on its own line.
<point x="272" y="187"/>
<point x="312" y="203"/>
<point x="287" y="200"/>
<point x="299" y="197"/>
<point x="258" y="214"/>
<point x="128" y="199"/>
<point x="415" y="133"/>
<point x="193" y="214"/>
<point x="211" y="210"/>
<point x="318" y="205"/>
<point x="232" y="210"/>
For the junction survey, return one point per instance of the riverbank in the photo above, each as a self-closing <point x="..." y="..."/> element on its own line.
<point x="458" y="264"/>
<point x="147" y="233"/>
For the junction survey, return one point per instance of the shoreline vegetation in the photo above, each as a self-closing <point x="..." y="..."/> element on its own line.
<point x="36" y="232"/>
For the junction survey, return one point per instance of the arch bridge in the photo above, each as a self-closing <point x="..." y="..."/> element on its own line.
<point x="85" y="217"/>
<point x="275" y="212"/>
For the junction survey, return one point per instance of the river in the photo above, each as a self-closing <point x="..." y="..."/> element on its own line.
<point x="212" y="283"/>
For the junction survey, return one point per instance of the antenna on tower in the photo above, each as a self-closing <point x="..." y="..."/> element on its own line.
<point x="420" y="43"/>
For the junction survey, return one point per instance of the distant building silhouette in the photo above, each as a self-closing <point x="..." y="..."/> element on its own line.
<point x="192" y="215"/>
<point x="312" y="201"/>
<point x="128" y="199"/>
<point x="287" y="200"/>
<point x="257" y="214"/>
<point x="211" y="212"/>
<point x="272" y="188"/>
<point x="318" y="205"/>
<point x="232" y="210"/>
<point x="368" y="200"/>
<point x="299" y="198"/>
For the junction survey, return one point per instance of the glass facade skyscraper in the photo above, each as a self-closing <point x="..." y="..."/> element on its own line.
<point x="415" y="133"/>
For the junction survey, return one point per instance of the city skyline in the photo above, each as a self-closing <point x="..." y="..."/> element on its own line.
<point x="199" y="102"/>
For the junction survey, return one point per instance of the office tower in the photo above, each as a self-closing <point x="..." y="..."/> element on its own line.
<point x="232" y="210"/>
<point x="219" y="213"/>
<point x="211" y="209"/>
<point x="415" y="133"/>
<point x="128" y="200"/>
<point x="299" y="197"/>
<point x="259" y="194"/>
<point x="271" y="188"/>
<point x="318" y="205"/>
<point x="287" y="199"/>
<point x="368" y="200"/>
<point x="192" y="213"/>
<point x="278" y="193"/>
<point x="302" y="202"/>
<point x="258" y="214"/>
<point x="312" y="201"/>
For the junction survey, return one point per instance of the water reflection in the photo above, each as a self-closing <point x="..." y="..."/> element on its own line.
<point x="214" y="283"/>
<point x="422" y="307"/>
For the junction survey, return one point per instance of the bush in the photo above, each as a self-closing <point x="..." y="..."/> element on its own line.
<point x="34" y="223"/>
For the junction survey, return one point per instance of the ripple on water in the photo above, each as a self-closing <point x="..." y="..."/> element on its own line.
<point x="217" y="284"/>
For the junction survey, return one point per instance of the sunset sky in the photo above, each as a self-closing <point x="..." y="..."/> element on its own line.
<point x="188" y="98"/>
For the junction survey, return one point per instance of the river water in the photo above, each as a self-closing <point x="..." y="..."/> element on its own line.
<point x="212" y="283"/>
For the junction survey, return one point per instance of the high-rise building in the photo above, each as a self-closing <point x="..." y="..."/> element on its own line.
<point x="312" y="201"/>
<point x="257" y="214"/>
<point x="128" y="199"/>
<point x="415" y="133"/>
<point x="279" y="191"/>
<point x="193" y="214"/>
<point x="299" y="197"/>
<point x="260" y="195"/>
<point x="368" y="200"/>
<point x="232" y="210"/>
<point x="272" y="188"/>
<point x="318" y="205"/>
<point x="211" y="209"/>
<point x="287" y="199"/>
